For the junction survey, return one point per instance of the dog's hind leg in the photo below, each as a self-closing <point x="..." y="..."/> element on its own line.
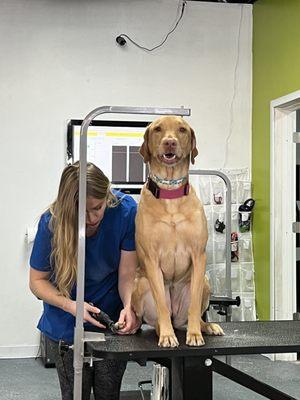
<point x="208" y="327"/>
<point x="180" y="299"/>
<point x="150" y="313"/>
<point x="144" y="305"/>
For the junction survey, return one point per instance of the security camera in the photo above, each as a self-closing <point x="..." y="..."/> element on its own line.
<point x="120" y="40"/>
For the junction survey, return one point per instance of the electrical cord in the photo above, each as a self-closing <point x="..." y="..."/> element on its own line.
<point x="123" y="35"/>
<point x="39" y="352"/>
<point x="234" y="89"/>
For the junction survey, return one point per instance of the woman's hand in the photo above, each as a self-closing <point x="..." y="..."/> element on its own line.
<point x="70" y="307"/>
<point x="129" y="321"/>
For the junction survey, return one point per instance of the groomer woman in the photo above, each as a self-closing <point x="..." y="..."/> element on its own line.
<point x="109" y="273"/>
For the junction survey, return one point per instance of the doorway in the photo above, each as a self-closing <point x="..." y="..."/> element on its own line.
<point x="284" y="194"/>
<point x="298" y="215"/>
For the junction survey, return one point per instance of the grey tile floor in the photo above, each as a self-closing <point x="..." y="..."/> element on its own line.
<point x="27" y="379"/>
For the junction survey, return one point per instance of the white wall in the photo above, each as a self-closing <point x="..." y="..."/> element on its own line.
<point x="59" y="60"/>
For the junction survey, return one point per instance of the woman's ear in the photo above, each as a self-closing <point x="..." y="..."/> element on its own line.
<point x="194" y="151"/>
<point x="144" y="149"/>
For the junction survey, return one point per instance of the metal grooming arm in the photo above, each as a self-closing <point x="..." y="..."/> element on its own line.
<point x="79" y="331"/>
<point x="227" y="230"/>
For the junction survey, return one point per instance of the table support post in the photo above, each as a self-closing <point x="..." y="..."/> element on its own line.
<point x="197" y="380"/>
<point x="190" y="377"/>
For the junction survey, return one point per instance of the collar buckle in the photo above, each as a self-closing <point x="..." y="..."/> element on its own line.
<point x="153" y="187"/>
<point x="186" y="189"/>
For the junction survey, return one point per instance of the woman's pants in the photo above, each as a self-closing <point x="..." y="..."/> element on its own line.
<point x="104" y="376"/>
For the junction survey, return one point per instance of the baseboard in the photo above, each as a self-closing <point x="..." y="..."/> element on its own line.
<point x="29" y="351"/>
<point x="282" y="356"/>
<point x="135" y="395"/>
<point x="286" y="357"/>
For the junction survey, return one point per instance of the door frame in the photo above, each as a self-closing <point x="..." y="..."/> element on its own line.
<point x="282" y="206"/>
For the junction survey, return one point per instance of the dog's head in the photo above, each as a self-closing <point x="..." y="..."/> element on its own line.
<point x="169" y="140"/>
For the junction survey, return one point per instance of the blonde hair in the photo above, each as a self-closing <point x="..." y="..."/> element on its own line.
<point x="64" y="221"/>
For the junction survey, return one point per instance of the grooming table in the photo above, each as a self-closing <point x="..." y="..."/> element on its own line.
<point x="191" y="368"/>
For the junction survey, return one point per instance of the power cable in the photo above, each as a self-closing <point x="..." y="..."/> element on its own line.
<point x="231" y="112"/>
<point x="121" y="41"/>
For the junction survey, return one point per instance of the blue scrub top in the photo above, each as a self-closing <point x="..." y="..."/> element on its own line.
<point x="102" y="258"/>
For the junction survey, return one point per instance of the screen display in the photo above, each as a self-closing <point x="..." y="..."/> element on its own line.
<point x="113" y="146"/>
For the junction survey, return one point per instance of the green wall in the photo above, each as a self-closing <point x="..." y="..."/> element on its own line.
<point x="276" y="72"/>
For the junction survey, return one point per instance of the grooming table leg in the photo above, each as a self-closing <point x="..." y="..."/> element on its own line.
<point x="175" y="366"/>
<point x="190" y="377"/>
<point x="197" y="382"/>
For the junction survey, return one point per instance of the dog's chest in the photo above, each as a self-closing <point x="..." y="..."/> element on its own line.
<point x="175" y="260"/>
<point x="172" y="228"/>
<point x="176" y="240"/>
<point x="171" y="233"/>
<point x="181" y="226"/>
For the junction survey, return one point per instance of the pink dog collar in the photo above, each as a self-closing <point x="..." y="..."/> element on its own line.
<point x="160" y="193"/>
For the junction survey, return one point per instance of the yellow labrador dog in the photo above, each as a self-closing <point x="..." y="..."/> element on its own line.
<point x="171" y="234"/>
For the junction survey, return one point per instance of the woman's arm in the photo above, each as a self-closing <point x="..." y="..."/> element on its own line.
<point x="43" y="289"/>
<point x="127" y="269"/>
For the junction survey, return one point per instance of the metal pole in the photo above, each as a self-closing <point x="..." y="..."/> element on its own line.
<point x="228" y="236"/>
<point x="79" y="331"/>
<point x="228" y="222"/>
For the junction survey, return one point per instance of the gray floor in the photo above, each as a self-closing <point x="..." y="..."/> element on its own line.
<point x="24" y="379"/>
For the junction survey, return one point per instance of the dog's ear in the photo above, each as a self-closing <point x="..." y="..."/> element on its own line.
<point x="144" y="149"/>
<point x="194" y="151"/>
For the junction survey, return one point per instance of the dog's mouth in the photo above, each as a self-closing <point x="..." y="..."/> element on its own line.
<point x="169" y="158"/>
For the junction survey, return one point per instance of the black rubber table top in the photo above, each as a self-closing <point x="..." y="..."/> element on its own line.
<point x="254" y="337"/>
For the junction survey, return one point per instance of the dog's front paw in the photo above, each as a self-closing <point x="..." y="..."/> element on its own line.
<point x="194" y="339"/>
<point x="212" y="329"/>
<point x="168" y="340"/>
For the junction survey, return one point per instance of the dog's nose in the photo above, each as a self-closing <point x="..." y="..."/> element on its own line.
<point x="170" y="143"/>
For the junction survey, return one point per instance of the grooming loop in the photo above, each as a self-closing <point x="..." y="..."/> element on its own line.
<point x="79" y="331"/>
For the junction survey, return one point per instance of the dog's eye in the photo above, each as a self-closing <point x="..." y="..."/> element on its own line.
<point x="157" y="129"/>
<point x="182" y="129"/>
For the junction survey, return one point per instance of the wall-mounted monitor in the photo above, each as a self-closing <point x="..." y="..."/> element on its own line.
<point x="114" y="147"/>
